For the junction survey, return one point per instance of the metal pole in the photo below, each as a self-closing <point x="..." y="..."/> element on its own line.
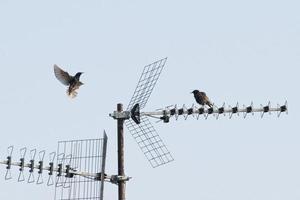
<point x="121" y="172"/>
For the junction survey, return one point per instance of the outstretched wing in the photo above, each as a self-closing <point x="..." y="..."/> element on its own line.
<point x="61" y="75"/>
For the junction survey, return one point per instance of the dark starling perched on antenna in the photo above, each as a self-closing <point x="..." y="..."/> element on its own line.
<point x="201" y="98"/>
<point x="68" y="80"/>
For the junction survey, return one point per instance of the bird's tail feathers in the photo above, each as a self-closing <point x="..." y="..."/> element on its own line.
<point x="71" y="91"/>
<point x="71" y="94"/>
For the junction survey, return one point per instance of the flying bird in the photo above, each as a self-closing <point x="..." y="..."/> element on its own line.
<point x="72" y="81"/>
<point x="201" y="98"/>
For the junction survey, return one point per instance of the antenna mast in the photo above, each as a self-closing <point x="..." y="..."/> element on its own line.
<point x="121" y="171"/>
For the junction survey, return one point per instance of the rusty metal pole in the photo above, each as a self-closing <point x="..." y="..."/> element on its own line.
<point x="121" y="170"/>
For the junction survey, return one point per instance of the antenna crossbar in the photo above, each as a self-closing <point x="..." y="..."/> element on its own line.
<point x="207" y="111"/>
<point x="167" y="113"/>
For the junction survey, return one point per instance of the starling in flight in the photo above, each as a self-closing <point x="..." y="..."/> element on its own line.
<point x="68" y="80"/>
<point x="201" y="98"/>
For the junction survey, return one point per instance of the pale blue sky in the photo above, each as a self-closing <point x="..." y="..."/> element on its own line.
<point x="234" y="50"/>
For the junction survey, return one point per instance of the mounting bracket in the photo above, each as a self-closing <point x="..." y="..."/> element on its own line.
<point x="120" y="115"/>
<point x="115" y="179"/>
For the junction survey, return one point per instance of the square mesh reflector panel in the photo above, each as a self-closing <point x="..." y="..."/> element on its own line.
<point x="146" y="83"/>
<point x="149" y="142"/>
<point x="84" y="156"/>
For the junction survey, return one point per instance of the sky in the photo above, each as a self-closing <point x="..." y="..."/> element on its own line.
<point x="235" y="51"/>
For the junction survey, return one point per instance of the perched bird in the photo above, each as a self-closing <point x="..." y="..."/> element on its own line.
<point x="68" y="80"/>
<point x="201" y="98"/>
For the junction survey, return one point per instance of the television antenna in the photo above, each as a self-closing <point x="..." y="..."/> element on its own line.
<point x="144" y="133"/>
<point x="79" y="172"/>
